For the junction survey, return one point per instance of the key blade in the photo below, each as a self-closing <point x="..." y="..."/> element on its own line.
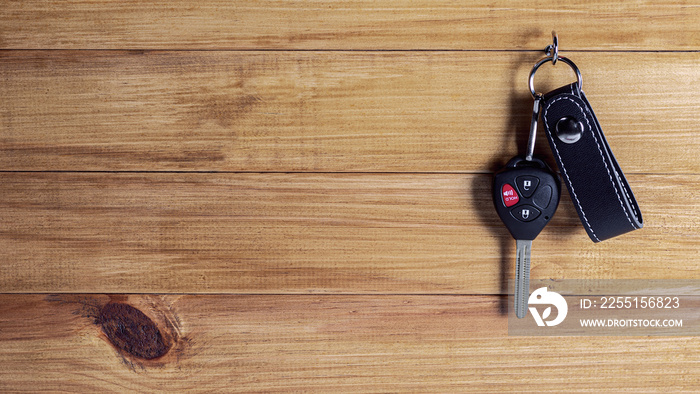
<point x="522" y="277"/>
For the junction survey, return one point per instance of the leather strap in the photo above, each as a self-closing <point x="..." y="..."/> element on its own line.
<point x="598" y="188"/>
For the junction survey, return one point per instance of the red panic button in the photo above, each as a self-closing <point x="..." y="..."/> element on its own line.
<point x="510" y="197"/>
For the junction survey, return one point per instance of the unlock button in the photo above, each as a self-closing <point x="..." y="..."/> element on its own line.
<point x="527" y="184"/>
<point x="525" y="213"/>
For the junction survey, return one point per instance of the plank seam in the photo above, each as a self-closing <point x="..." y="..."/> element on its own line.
<point x="341" y="50"/>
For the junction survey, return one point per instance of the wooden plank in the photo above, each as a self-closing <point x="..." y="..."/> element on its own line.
<point x="328" y="111"/>
<point x="358" y="24"/>
<point x="316" y="343"/>
<point x="300" y="233"/>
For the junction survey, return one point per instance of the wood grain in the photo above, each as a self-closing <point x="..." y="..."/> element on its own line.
<point x="327" y="111"/>
<point x="276" y="343"/>
<point x="357" y="24"/>
<point x="299" y="233"/>
<point x="294" y="195"/>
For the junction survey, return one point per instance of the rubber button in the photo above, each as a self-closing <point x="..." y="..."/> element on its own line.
<point x="509" y="195"/>
<point x="525" y="213"/>
<point x="543" y="197"/>
<point x="527" y="184"/>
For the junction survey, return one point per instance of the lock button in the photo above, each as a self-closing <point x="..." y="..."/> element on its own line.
<point x="525" y="213"/>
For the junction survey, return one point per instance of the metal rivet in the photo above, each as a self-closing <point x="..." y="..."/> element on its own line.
<point x="569" y="130"/>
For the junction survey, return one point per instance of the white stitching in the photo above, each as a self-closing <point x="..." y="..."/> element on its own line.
<point x="627" y="193"/>
<point x="563" y="169"/>
<point x="619" y="179"/>
<point x="622" y="205"/>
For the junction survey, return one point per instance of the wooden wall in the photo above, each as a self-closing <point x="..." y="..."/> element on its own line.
<point x="294" y="195"/>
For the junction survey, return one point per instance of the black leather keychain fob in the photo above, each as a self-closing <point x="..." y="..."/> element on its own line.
<point x="598" y="188"/>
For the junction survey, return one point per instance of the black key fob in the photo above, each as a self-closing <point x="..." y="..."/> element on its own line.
<point x="526" y="194"/>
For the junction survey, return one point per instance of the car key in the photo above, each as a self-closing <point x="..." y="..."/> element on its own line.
<point x="526" y="194"/>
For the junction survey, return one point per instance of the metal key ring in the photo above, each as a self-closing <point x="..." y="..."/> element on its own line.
<point x="531" y="80"/>
<point x="553" y="49"/>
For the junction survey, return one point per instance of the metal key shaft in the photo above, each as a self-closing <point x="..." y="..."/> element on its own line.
<point x="522" y="276"/>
